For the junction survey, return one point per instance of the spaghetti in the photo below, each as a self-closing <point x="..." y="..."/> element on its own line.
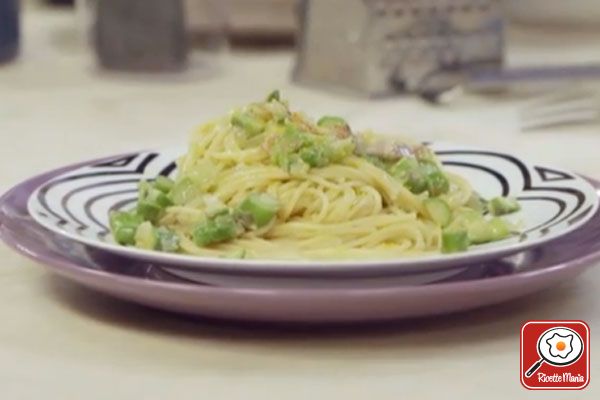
<point x="266" y="182"/>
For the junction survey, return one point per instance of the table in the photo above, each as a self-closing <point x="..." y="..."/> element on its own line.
<point x="59" y="341"/>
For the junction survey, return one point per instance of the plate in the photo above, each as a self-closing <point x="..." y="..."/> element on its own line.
<point x="149" y="284"/>
<point x="76" y="205"/>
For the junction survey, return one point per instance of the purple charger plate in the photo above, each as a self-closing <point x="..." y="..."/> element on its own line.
<point x="144" y="283"/>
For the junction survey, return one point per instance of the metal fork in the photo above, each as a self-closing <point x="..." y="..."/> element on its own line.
<point x="572" y="106"/>
<point x="575" y="105"/>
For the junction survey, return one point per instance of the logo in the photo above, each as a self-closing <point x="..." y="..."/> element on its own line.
<point x="555" y="355"/>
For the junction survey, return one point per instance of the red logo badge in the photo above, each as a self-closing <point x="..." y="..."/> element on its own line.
<point x="555" y="355"/>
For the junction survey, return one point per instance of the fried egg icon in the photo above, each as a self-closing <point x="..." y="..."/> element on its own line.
<point x="560" y="346"/>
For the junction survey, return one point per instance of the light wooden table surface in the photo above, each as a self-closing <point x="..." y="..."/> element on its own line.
<point x="58" y="341"/>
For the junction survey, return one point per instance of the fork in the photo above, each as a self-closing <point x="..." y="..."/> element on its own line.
<point x="573" y="106"/>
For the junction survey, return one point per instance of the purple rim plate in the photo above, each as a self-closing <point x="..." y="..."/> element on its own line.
<point x="147" y="284"/>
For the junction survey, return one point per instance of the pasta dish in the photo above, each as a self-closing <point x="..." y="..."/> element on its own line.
<point x="269" y="182"/>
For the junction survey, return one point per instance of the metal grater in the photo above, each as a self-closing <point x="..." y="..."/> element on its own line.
<point x="380" y="47"/>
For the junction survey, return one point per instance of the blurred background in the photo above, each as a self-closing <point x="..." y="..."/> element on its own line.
<point x="129" y="74"/>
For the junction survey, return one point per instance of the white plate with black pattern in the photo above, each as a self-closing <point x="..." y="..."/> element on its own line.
<point x="554" y="202"/>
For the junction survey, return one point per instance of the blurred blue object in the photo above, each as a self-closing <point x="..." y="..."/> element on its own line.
<point x="9" y="29"/>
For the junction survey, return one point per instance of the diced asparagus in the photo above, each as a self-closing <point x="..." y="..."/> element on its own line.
<point x="143" y="188"/>
<point x="164" y="184"/>
<point x="336" y="125"/>
<point x="483" y="231"/>
<point x="159" y="198"/>
<point x="291" y="163"/>
<point x="424" y="153"/>
<point x="149" y="211"/>
<point x="420" y="177"/>
<point x="454" y="241"/>
<point x="314" y="156"/>
<point x="151" y="201"/>
<point x="296" y="166"/>
<point x="340" y="149"/>
<point x="250" y="124"/>
<point x="437" y="183"/>
<point x="124" y="225"/>
<point x="167" y="240"/>
<point x="183" y="191"/>
<point x="479" y="231"/>
<point x="500" y="228"/>
<point x="145" y="236"/>
<point x="402" y="168"/>
<point x="503" y="205"/>
<point x="215" y="230"/>
<point x="262" y="208"/>
<point x="438" y="211"/>
<point x="274" y="95"/>
<point x="463" y="217"/>
<point x="329" y="121"/>
<point x="477" y="203"/>
<point x="125" y="235"/>
<point x="416" y="181"/>
<point x="286" y="145"/>
<point x="300" y="150"/>
<point x="122" y="218"/>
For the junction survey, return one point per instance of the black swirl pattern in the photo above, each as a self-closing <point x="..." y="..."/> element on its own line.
<point x="117" y="178"/>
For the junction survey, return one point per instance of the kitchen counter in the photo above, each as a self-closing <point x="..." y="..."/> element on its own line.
<point x="60" y="341"/>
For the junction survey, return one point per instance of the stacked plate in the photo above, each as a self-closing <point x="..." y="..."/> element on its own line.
<point x="60" y="219"/>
